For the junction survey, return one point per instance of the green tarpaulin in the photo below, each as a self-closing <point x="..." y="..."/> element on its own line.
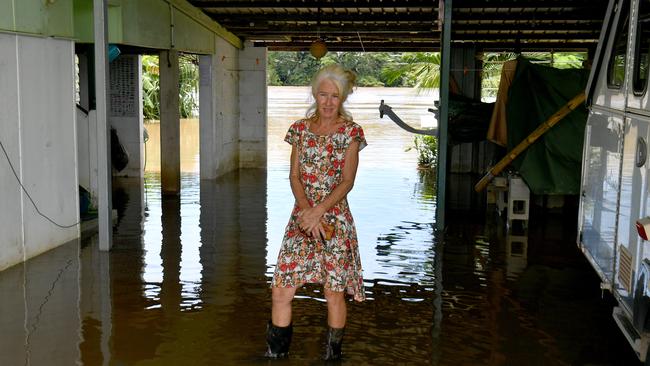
<point x="552" y="164"/>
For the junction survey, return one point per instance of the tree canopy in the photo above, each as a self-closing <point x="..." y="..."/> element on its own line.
<point x="372" y="68"/>
<point x="416" y="69"/>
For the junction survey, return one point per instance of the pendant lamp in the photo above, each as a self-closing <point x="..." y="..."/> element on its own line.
<point x="318" y="48"/>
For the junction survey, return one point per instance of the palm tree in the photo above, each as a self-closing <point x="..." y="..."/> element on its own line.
<point x="150" y="87"/>
<point x="188" y="86"/>
<point x="418" y="69"/>
<point x="492" y="63"/>
<point x="491" y="71"/>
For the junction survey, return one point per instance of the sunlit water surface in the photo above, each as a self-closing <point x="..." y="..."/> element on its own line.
<point x="187" y="280"/>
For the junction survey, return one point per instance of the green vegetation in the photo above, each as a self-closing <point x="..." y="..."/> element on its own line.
<point x="419" y="69"/>
<point x="150" y="87"/>
<point x="372" y="68"/>
<point x="189" y="86"/>
<point x="427" y="148"/>
<point x="492" y="62"/>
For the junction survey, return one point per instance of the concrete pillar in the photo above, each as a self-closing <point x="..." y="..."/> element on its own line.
<point x="252" y="106"/>
<point x="125" y="111"/>
<point x="219" y="111"/>
<point x="170" y="142"/>
<point x="208" y="153"/>
<point x="105" y="206"/>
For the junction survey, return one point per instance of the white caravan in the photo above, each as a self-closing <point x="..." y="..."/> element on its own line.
<point x="615" y="200"/>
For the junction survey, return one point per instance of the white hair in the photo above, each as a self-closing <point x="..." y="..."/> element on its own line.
<point x="344" y="81"/>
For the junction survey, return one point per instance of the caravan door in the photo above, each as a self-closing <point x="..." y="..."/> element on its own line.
<point x="603" y="145"/>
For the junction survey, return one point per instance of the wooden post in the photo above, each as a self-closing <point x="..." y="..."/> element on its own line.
<point x="445" y="53"/>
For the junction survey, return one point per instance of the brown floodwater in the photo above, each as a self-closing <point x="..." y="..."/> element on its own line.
<point x="187" y="279"/>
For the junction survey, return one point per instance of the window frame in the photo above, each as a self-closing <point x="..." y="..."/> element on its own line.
<point x="622" y="28"/>
<point x="642" y="20"/>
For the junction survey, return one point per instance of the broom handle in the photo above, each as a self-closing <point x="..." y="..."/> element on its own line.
<point x="523" y="145"/>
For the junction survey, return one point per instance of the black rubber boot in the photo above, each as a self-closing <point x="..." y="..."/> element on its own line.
<point x="278" y="340"/>
<point x="334" y="343"/>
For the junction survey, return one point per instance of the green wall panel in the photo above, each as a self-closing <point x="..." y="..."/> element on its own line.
<point x="115" y="30"/>
<point x="58" y="18"/>
<point x="6" y="15"/>
<point x="146" y="23"/>
<point x="29" y="16"/>
<point x="39" y="17"/>
<point x="83" y="22"/>
<point x="189" y="36"/>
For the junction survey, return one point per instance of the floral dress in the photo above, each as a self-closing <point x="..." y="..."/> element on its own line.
<point x="335" y="263"/>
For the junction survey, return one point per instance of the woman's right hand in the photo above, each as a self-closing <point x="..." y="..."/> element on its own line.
<point x="310" y="221"/>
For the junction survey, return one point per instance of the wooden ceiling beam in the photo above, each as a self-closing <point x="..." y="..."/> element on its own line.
<point x="528" y="25"/>
<point x="313" y="4"/>
<point x="427" y="17"/>
<point x="414" y="29"/>
<point x="310" y="29"/>
<point x="410" y="24"/>
<point x="433" y="46"/>
<point x="406" y="4"/>
<point x="511" y="37"/>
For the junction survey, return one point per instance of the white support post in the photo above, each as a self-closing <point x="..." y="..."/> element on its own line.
<point x="170" y="128"/>
<point x="208" y="153"/>
<point x="103" y="143"/>
<point x="219" y="110"/>
<point x="252" y="107"/>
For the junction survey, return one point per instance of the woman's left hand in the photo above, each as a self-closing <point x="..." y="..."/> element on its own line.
<point x="310" y="220"/>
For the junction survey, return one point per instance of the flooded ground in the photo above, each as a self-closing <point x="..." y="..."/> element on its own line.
<point x="187" y="280"/>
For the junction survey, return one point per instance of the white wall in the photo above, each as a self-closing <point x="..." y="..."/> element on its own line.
<point x="38" y="130"/>
<point x="252" y="104"/>
<point x="11" y="234"/>
<point x="219" y="111"/>
<point x="87" y="152"/>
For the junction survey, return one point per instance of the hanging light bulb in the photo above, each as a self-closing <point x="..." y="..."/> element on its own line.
<point x="318" y="48"/>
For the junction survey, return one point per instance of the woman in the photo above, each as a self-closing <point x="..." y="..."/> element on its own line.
<point x="320" y="241"/>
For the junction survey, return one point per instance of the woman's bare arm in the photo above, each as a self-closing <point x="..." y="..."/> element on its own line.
<point x="294" y="178"/>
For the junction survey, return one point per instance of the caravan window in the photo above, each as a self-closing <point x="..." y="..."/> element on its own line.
<point x="642" y="48"/>
<point x="616" y="67"/>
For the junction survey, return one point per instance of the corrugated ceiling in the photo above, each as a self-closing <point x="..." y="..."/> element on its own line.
<point x="411" y="25"/>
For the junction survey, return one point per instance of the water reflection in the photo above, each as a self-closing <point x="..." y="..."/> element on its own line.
<point x="39" y="309"/>
<point x="189" y="146"/>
